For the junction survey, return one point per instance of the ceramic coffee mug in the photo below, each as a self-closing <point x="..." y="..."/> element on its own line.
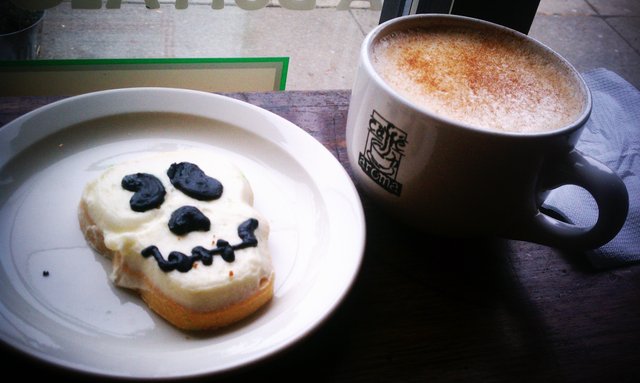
<point x="434" y="137"/>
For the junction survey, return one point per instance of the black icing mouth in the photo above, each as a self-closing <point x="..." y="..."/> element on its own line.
<point x="183" y="263"/>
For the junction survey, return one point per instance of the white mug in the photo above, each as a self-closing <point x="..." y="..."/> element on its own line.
<point x="448" y="177"/>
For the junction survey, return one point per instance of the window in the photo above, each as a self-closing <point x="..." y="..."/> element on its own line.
<point x="320" y="38"/>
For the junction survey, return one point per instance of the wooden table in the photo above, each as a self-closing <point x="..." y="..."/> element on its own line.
<point x="427" y="308"/>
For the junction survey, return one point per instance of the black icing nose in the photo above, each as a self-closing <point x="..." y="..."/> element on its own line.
<point x="187" y="219"/>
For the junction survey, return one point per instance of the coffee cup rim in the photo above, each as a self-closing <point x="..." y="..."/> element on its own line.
<point x="381" y="30"/>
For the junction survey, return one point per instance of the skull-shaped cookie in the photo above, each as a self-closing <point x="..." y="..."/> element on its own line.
<point x="181" y="229"/>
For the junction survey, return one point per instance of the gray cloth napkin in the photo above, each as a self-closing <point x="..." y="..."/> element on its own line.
<point x="612" y="136"/>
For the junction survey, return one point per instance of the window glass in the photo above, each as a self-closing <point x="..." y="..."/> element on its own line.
<point x="320" y="37"/>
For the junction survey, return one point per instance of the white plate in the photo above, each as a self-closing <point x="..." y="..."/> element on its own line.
<point x="76" y="318"/>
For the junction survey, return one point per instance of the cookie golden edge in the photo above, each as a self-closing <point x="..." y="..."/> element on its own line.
<point x="178" y="315"/>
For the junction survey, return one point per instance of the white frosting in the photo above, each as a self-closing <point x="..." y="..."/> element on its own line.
<point x="127" y="232"/>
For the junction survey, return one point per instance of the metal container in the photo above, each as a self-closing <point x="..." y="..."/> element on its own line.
<point x="19" y="33"/>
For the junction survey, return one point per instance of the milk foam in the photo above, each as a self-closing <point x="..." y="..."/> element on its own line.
<point x="482" y="78"/>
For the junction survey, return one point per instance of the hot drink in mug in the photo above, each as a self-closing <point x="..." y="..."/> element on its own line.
<point x="461" y="127"/>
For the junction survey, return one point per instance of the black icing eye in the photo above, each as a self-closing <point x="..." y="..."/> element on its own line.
<point x="148" y="191"/>
<point x="191" y="180"/>
<point x="187" y="219"/>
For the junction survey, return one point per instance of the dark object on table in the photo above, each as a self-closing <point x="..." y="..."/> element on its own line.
<point x="19" y="31"/>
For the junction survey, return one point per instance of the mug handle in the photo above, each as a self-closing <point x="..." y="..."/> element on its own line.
<point x="607" y="189"/>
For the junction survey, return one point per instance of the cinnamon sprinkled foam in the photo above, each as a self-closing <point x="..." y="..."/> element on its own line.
<point x="482" y="78"/>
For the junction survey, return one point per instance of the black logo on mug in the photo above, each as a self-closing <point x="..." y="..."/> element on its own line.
<point x="382" y="153"/>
